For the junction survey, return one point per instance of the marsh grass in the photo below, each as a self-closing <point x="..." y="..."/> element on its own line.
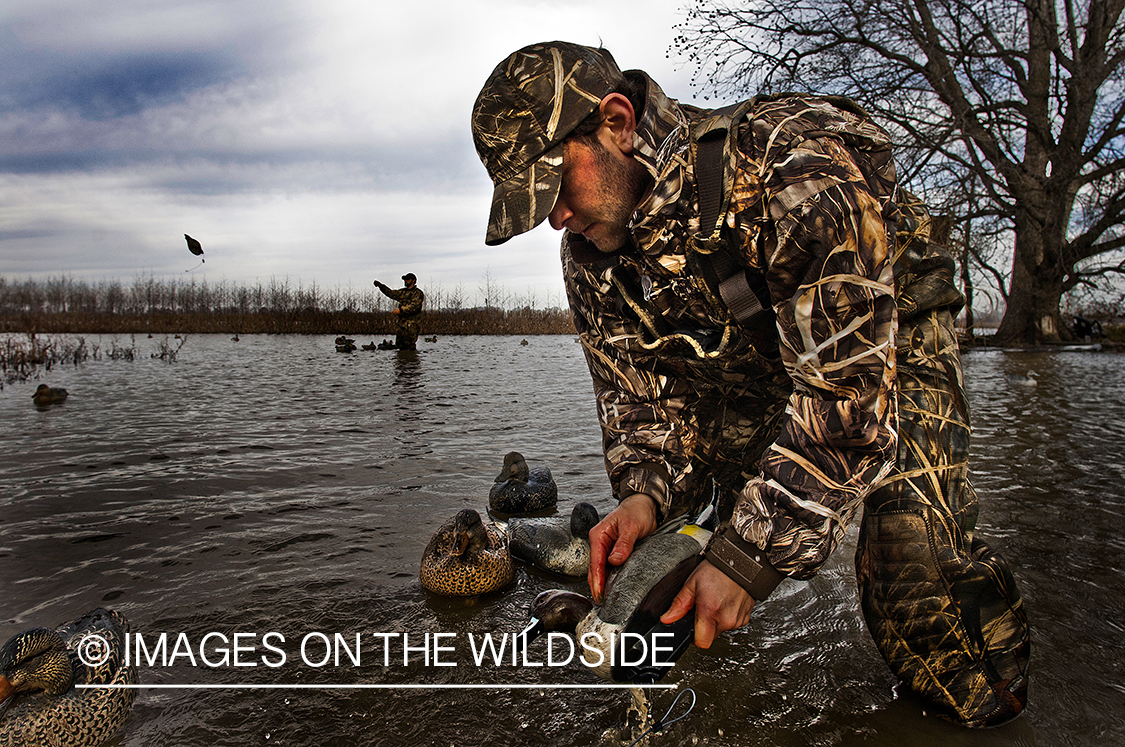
<point x="22" y="359"/>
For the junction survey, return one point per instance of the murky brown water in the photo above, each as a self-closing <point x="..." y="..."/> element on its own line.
<point x="276" y="486"/>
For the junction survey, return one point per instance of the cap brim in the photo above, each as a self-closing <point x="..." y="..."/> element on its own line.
<point x="523" y="202"/>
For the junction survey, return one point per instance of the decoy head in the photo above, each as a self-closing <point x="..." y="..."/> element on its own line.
<point x="466" y="533"/>
<point x="515" y="466"/>
<point x="555" y="609"/>
<point x="35" y="660"/>
<point x="583" y="518"/>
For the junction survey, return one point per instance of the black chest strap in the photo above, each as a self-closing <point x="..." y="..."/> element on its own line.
<point x="743" y="291"/>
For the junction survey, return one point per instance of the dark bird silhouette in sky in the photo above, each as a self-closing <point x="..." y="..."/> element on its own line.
<point x="195" y="248"/>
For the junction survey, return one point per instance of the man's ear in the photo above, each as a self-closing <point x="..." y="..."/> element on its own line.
<point x="620" y="121"/>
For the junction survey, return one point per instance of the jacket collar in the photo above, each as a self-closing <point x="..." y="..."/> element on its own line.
<point x="660" y="144"/>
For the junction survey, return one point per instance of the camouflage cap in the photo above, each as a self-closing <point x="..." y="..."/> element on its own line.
<point x="528" y="106"/>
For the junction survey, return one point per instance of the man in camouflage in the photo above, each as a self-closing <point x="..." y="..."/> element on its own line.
<point x="410" y="301"/>
<point x="844" y="389"/>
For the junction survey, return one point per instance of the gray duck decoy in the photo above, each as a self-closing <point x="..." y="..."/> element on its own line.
<point x="557" y="544"/>
<point x="1027" y="379"/>
<point x="465" y="557"/>
<point x="639" y="593"/>
<point x="518" y="489"/>
<point x="39" y="669"/>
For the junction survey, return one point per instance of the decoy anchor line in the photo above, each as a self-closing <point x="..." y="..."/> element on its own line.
<point x="660" y="723"/>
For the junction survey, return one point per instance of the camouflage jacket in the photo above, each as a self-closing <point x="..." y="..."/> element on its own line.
<point x="796" y="417"/>
<point x="409" y="300"/>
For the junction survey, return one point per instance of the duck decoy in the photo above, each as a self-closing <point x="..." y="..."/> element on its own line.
<point x="556" y="544"/>
<point x="46" y="395"/>
<point x="465" y="557"/>
<point x="518" y="489"/>
<point x="371" y="346"/>
<point x="1027" y="379"/>
<point x="638" y="594"/>
<point x="39" y="669"/>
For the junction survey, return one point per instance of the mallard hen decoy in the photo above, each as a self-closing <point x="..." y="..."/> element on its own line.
<point x="465" y="557"/>
<point x="46" y="395"/>
<point x="39" y="671"/>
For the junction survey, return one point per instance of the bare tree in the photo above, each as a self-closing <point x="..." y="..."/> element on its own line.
<point x="1023" y="98"/>
<point x="456" y="298"/>
<point x="491" y="291"/>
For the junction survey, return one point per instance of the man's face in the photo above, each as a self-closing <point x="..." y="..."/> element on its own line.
<point x="409" y="282"/>
<point x="601" y="187"/>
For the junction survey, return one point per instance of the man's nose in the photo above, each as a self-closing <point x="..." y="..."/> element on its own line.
<point x="559" y="214"/>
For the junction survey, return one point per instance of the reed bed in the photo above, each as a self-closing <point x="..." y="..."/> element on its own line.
<point x="48" y="322"/>
<point x="21" y="359"/>
<point x="351" y="323"/>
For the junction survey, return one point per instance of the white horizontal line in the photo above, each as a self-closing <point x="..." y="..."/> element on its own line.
<point x="372" y="687"/>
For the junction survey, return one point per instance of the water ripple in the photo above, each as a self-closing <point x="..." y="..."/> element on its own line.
<point x="276" y="485"/>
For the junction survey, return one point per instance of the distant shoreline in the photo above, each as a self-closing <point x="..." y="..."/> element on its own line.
<point x="302" y="322"/>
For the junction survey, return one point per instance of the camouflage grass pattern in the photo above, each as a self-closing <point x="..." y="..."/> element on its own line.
<point x="853" y="395"/>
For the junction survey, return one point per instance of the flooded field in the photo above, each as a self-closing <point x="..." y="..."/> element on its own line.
<point x="275" y="486"/>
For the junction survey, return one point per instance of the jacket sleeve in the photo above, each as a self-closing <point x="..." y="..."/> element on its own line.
<point x="390" y="292"/>
<point x="828" y="258"/>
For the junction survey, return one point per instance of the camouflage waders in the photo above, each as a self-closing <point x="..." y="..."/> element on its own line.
<point x="942" y="607"/>
<point x="406" y="333"/>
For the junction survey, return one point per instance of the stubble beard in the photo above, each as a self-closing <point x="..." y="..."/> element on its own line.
<point x="619" y="192"/>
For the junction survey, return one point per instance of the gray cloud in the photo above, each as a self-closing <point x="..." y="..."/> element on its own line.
<point x="326" y="142"/>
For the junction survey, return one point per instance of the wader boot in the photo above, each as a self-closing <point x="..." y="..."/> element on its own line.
<point x="942" y="607"/>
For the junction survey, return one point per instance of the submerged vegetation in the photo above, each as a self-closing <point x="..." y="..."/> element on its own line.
<point x="155" y="306"/>
<point x="29" y="356"/>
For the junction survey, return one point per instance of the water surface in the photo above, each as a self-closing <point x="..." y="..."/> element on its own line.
<point x="274" y="485"/>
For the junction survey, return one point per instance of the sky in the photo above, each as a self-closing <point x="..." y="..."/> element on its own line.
<point x="322" y="141"/>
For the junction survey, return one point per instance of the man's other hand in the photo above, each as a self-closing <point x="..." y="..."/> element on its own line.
<point x="720" y="603"/>
<point x="615" y="535"/>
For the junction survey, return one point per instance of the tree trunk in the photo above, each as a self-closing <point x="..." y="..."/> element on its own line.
<point x="1036" y="289"/>
<point x="967" y="282"/>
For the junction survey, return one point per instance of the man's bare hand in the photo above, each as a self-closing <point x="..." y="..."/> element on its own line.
<point x="615" y="535"/>
<point x="720" y="603"/>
